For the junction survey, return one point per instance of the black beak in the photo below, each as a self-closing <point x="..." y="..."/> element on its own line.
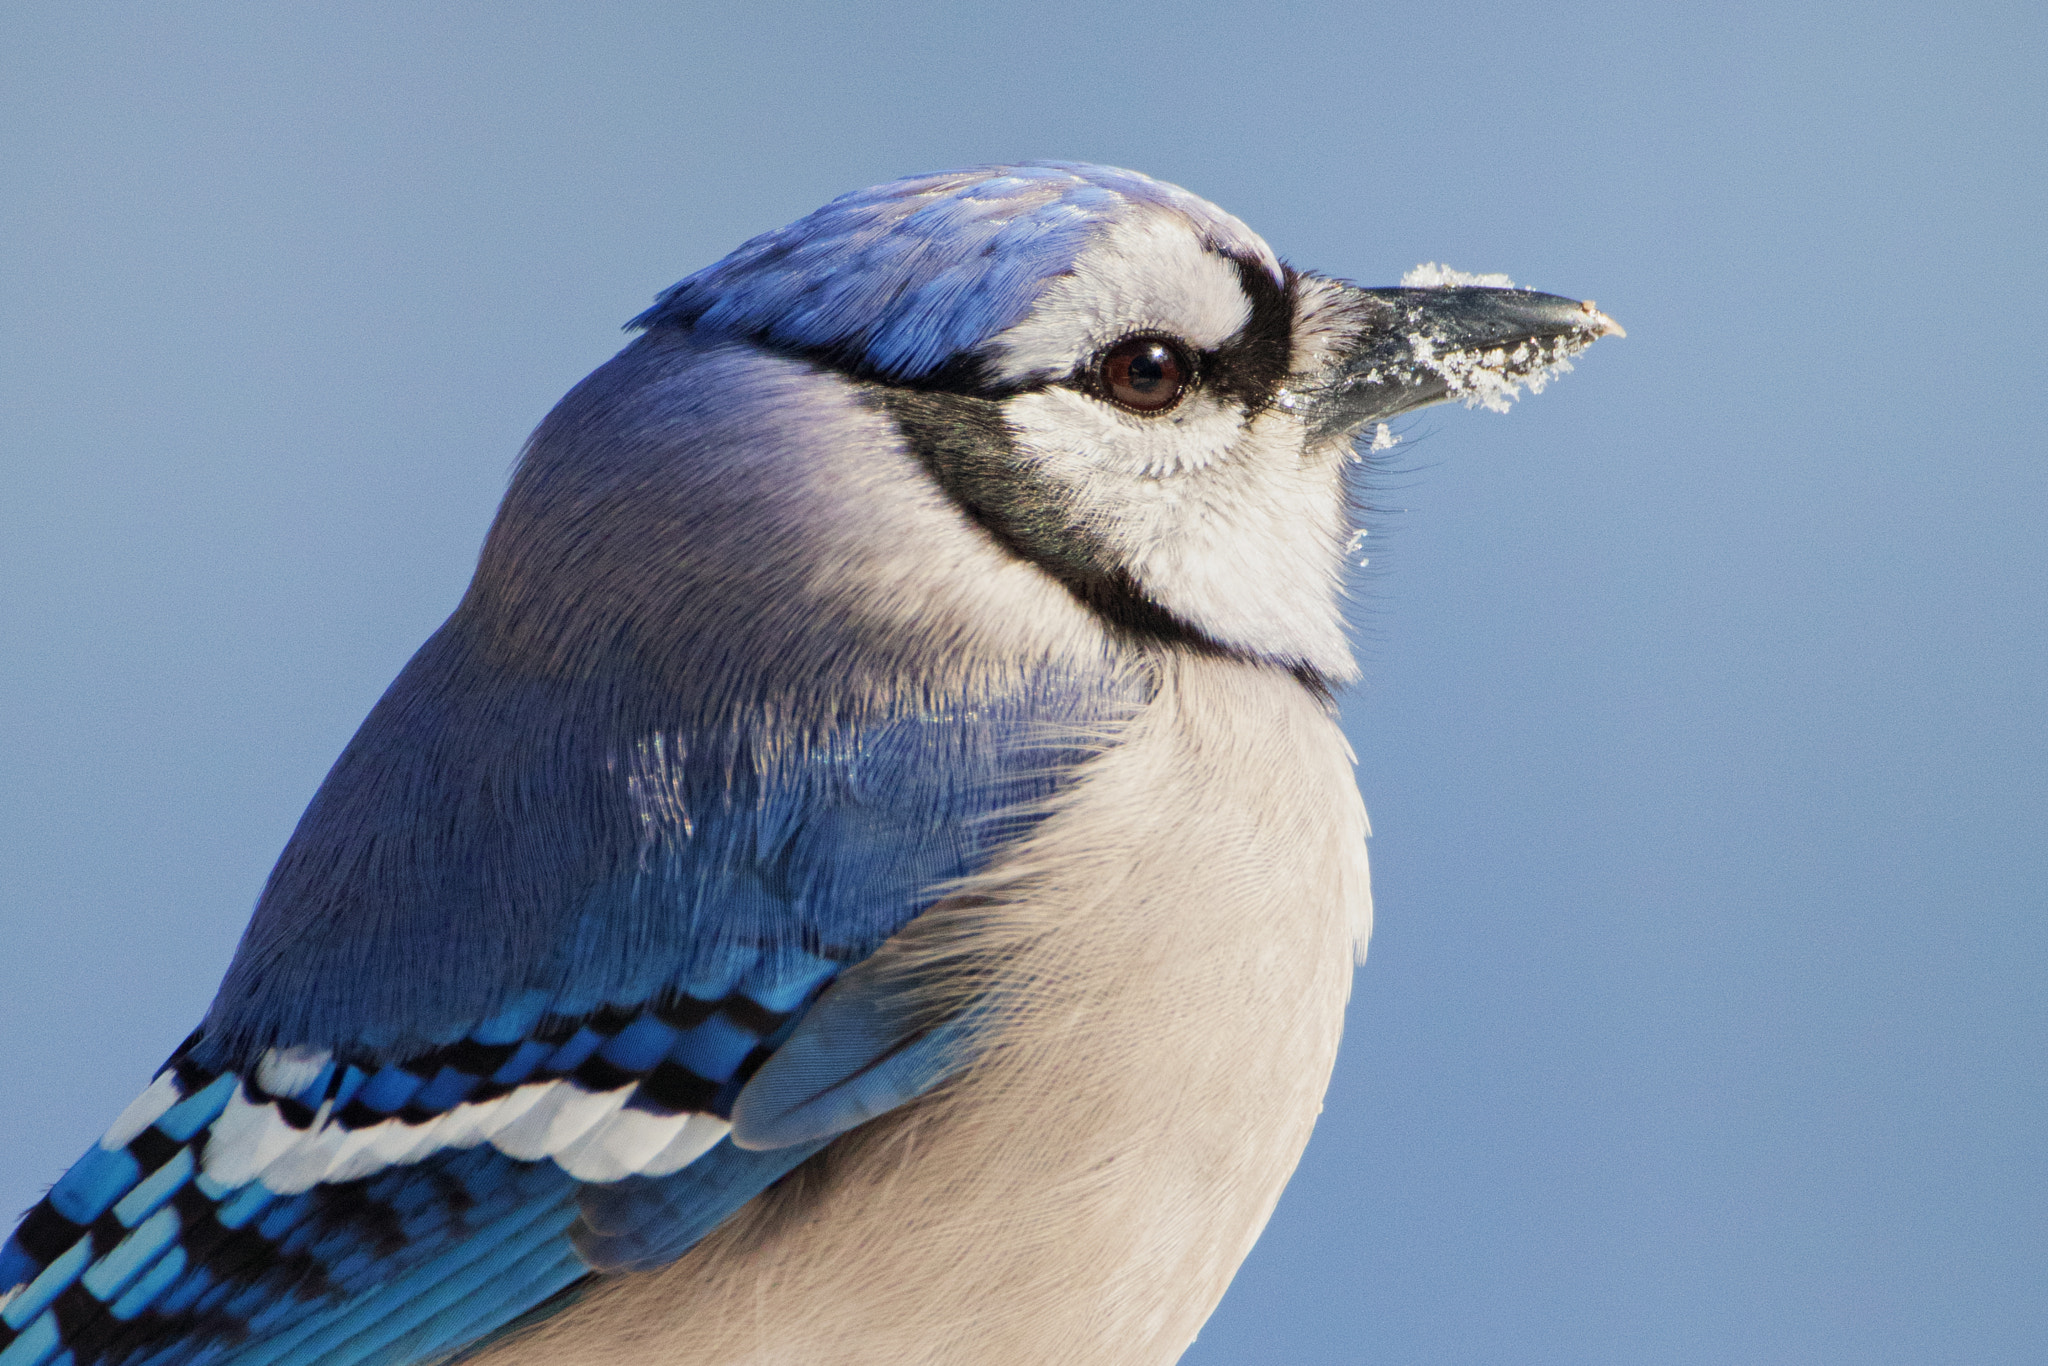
<point x="1422" y="346"/>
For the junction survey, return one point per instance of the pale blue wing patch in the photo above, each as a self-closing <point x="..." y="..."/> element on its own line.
<point x="860" y="1052"/>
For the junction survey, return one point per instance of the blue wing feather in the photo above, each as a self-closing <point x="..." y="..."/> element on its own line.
<point x="634" y="853"/>
<point x="860" y="1052"/>
<point x="792" y="869"/>
<point x="644" y="1222"/>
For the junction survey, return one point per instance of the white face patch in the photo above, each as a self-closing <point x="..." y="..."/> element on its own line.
<point x="1232" y="525"/>
<point x="1087" y="436"/>
<point x="1224" y="516"/>
<point x="1148" y="273"/>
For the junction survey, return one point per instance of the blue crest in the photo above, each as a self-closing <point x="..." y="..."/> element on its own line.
<point x="903" y="277"/>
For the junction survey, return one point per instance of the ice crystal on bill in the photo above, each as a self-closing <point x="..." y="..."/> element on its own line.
<point x="1430" y="275"/>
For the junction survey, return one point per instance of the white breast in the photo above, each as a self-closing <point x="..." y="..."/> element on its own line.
<point x="1177" y="938"/>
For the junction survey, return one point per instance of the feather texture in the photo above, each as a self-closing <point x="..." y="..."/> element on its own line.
<point x="905" y="278"/>
<point x="867" y="872"/>
<point x="1169" y="955"/>
<point x="553" y="908"/>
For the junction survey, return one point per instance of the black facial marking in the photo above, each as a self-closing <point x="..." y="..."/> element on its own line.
<point x="965" y="372"/>
<point x="970" y="450"/>
<point x="1252" y="366"/>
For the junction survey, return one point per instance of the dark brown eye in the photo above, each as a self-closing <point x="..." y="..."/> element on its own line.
<point x="1146" y="373"/>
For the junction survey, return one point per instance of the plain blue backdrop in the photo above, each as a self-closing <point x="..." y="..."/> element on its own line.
<point x="1703" y="723"/>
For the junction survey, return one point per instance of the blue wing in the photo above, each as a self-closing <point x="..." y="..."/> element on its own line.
<point x="494" y="1012"/>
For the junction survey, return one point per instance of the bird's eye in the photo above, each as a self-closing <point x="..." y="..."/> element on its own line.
<point x="1148" y="374"/>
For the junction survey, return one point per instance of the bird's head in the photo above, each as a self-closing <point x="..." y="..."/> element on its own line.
<point x="1122" y="384"/>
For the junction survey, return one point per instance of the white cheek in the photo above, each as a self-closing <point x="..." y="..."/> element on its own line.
<point x="1076" y="437"/>
<point x="1147" y="273"/>
<point x="1227" y="524"/>
<point x="1252" y="551"/>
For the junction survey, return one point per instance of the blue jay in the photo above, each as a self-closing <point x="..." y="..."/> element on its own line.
<point x="867" y="873"/>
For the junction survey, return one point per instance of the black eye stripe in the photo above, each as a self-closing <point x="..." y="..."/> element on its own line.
<point x="1250" y="368"/>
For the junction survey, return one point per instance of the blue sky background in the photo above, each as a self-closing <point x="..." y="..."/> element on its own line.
<point x="1705" y="727"/>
